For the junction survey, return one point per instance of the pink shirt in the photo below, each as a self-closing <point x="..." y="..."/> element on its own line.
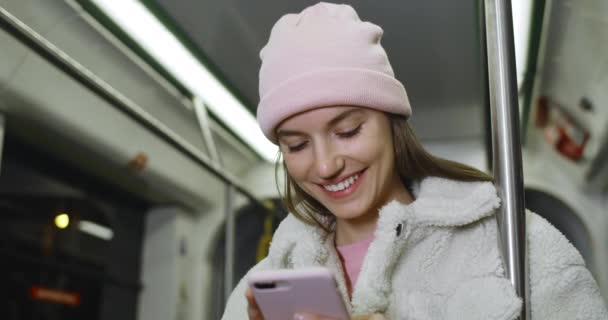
<point x="352" y="256"/>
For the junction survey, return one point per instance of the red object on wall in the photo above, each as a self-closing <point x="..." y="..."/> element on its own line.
<point x="568" y="145"/>
<point x="542" y="112"/>
<point x="560" y="129"/>
<point x="55" y="296"/>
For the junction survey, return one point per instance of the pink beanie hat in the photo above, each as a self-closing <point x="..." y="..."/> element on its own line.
<point x="325" y="56"/>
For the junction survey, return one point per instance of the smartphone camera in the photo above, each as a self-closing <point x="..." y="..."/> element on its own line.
<point x="265" y="285"/>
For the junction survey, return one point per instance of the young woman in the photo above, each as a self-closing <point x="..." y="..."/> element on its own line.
<point x="408" y="235"/>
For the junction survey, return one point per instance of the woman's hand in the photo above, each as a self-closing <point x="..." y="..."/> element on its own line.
<point x="253" y="310"/>
<point x="308" y="316"/>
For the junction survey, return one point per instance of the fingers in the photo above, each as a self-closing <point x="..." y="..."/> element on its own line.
<point x="308" y="316"/>
<point x="255" y="313"/>
<point x="253" y="310"/>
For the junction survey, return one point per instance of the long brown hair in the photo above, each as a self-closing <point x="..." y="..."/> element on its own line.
<point x="412" y="161"/>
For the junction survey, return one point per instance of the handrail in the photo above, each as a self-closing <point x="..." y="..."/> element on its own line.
<point x="64" y="62"/>
<point x="506" y="145"/>
<point x="230" y="229"/>
<point x="203" y="122"/>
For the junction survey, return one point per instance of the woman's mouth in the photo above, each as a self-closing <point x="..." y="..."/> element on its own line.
<point x="344" y="187"/>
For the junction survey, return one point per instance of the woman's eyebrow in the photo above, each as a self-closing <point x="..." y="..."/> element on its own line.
<point x="288" y="133"/>
<point x="343" y="116"/>
<point x="335" y="120"/>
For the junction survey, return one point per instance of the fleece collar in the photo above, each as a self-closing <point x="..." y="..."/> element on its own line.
<point x="448" y="203"/>
<point x="439" y="202"/>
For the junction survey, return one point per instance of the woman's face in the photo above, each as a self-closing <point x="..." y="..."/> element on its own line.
<point x="343" y="157"/>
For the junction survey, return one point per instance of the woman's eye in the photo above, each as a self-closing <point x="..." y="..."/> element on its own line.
<point x="297" y="147"/>
<point x="350" y="133"/>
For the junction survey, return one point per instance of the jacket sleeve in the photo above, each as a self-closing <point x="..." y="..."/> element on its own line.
<point x="236" y="307"/>
<point x="561" y="287"/>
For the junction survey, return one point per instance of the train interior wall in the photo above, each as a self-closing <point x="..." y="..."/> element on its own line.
<point x="168" y="219"/>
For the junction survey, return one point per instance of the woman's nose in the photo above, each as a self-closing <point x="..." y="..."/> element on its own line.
<point x="329" y="165"/>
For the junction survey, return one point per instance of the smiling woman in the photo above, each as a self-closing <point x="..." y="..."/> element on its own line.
<point x="407" y="235"/>
<point x="351" y="141"/>
<point x="339" y="164"/>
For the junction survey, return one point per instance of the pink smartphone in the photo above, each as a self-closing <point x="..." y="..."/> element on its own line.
<point x="282" y="293"/>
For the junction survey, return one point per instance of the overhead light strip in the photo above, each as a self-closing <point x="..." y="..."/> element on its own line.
<point x="144" y="28"/>
<point x="96" y="230"/>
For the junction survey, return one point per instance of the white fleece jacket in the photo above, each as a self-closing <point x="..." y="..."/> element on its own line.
<point x="438" y="258"/>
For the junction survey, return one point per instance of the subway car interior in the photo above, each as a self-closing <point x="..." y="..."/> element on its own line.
<point x="135" y="183"/>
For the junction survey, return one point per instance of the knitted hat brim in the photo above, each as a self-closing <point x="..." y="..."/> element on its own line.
<point x="333" y="87"/>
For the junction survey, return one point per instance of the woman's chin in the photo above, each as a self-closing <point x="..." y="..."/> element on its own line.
<point x="348" y="213"/>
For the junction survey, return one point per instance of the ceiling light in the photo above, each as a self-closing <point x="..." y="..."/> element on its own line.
<point x="62" y="220"/>
<point x="96" y="230"/>
<point x="143" y="27"/>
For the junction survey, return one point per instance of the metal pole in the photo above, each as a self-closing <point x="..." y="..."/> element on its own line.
<point x="506" y="145"/>
<point x="2" y="133"/>
<point x="229" y="249"/>
<point x="203" y="121"/>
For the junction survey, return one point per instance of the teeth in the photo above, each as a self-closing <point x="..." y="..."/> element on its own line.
<point x="342" y="185"/>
